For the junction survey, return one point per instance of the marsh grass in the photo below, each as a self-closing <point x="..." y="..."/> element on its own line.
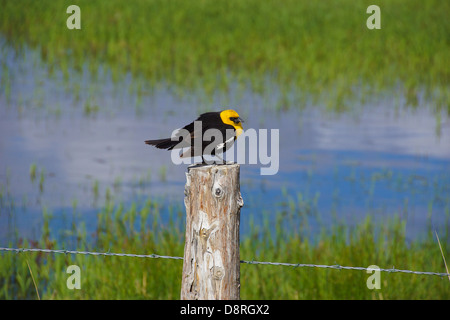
<point x="316" y="51"/>
<point x="442" y="252"/>
<point x="33" y="169"/>
<point x="141" y="230"/>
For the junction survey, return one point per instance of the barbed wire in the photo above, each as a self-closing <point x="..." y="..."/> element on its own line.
<point x="294" y="265"/>
<point x="339" y="267"/>
<point x="156" y="256"/>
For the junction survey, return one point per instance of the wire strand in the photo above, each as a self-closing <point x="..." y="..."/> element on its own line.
<point x="284" y="264"/>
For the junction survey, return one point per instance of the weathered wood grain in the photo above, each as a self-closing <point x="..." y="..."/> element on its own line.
<point x="211" y="267"/>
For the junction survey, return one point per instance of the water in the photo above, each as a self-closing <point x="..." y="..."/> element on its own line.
<point x="85" y="136"/>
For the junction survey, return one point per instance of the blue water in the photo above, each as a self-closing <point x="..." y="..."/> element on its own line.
<point x="380" y="159"/>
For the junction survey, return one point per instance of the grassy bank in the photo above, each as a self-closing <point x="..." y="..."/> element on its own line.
<point x="141" y="231"/>
<point x="309" y="50"/>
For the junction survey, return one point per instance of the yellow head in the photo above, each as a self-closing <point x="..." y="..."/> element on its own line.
<point x="232" y="118"/>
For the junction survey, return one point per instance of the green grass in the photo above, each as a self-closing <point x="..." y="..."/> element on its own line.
<point x="141" y="231"/>
<point x="33" y="169"/>
<point x="309" y="50"/>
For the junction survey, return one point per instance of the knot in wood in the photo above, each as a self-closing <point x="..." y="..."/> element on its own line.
<point x="240" y="201"/>
<point x="218" y="273"/>
<point x="218" y="192"/>
<point x="204" y="233"/>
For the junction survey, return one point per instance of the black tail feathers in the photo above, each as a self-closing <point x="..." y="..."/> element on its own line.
<point x="162" y="143"/>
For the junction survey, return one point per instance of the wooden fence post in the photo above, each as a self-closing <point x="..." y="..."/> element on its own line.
<point x="211" y="266"/>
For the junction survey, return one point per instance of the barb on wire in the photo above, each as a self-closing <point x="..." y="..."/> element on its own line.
<point x="156" y="256"/>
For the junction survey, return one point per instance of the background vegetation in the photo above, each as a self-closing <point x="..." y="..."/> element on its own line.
<point x="311" y="50"/>
<point x="142" y="231"/>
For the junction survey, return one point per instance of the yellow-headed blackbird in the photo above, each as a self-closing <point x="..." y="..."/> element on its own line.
<point x="201" y="140"/>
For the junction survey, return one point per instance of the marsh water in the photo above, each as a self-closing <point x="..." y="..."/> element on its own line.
<point x="69" y="141"/>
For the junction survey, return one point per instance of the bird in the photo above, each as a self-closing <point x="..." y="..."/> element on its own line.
<point x="228" y="125"/>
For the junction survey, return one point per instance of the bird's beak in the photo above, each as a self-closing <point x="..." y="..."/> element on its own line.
<point x="240" y="119"/>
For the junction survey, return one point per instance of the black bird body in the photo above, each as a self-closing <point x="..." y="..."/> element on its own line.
<point x="227" y="127"/>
